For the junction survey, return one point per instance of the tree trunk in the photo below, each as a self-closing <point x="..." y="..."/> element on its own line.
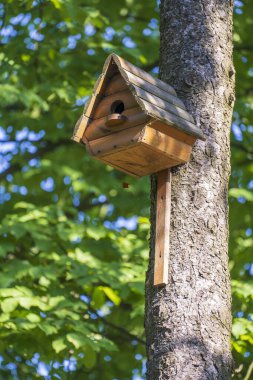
<point x="188" y="321"/>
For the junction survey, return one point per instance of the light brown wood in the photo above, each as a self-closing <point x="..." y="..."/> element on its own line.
<point x="104" y="161"/>
<point x="117" y="83"/>
<point x="80" y="127"/>
<point x="173" y="132"/>
<point x="96" y="128"/>
<point x="96" y="96"/>
<point x="167" y="145"/>
<point x="115" y="119"/>
<point x="117" y="141"/>
<point x="162" y="233"/>
<point x="103" y="108"/>
<point x="170" y="119"/>
<point x="138" y="160"/>
<point x="158" y="142"/>
<point x="140" y="150"/>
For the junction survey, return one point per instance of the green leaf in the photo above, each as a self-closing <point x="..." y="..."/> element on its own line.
<point x="33" y="317"/>
<point x="111" y="294"/>
<point x="48" y="329"/>
<point x="78" y="340"/>
<point x="59" y="345"/>
<point x="242" y="326"/>
<point x="8" y="305"/>
<point x="98" y="297"/>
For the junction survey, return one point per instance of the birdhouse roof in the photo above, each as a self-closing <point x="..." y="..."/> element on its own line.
<point x="156" y="98"/>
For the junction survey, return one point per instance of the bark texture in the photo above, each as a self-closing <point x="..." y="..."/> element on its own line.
<point x="188" y="322"/>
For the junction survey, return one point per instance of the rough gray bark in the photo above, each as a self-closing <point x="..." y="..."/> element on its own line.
<point x="188" y="321"/>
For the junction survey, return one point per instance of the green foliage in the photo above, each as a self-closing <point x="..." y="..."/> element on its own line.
<point x="72" y="277"/>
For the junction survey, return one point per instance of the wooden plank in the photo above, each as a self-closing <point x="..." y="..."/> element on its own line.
<point x="153" y="89"/>
<point x="96" y="95"/>
<point x="161" y="103"/>
<point x="142" y="74"/>
<point x="104" y="106"/>
<point x="138" y="160"/>
<point x="162" y="232"/>
<point x="154" y="150"/>
<point x="115" y="166"/>
<point x="172" y="120"/>
<point x="80" y="127"/>
<point x="97" y="128"/>
<point x="117" y="83"/>
<point x="117" y="141"/>
<point x="110" y="67"/>
<point x="170" y="131"/>
<point x="99" y="90"/>
<point x="167" y="145"/>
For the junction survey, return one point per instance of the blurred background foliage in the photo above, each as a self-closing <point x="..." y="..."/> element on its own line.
<point x="73" y="241"/>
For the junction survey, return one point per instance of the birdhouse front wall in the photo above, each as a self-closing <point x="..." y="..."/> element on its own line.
<point x="116" y="100"/>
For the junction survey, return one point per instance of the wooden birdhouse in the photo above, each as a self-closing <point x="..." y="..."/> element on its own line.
<point x="135" y="122"/>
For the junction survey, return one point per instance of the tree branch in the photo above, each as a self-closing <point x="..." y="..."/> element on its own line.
<point x="118" y="328"/>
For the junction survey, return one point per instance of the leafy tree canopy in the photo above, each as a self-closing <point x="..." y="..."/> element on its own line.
<point x="73" y="241"/>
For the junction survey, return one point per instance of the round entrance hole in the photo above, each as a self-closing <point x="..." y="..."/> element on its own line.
<point x="117" y="107"/>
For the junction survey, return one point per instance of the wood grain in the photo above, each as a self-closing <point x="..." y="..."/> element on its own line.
<point x="117" y="141"/>
<point x="166" y="145"/>
<point x="152" y="89"/>
<point x="162" y="231"/>
<point x="173" y="132"/>
<point x="160" y="100"/>
<point x="96" y="129"/>
<point x="103" y="108"/>
<point x="80" y="127"/>
<point x="137" y="160"/>
<point x="140" y="150"/>
<point x="170" y="119"/>
<point x="122" y="63"/>
<point x="117" y="83"/>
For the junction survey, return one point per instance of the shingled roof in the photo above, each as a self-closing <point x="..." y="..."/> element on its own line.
<point x="156" y="98"/>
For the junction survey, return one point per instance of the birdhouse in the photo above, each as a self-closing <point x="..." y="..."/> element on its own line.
<point x="135" y="122"/>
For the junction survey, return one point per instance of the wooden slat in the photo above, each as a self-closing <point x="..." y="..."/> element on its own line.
<point x="97" y="128"/>
<point x="140" y="150"/>
<point x="114" y="165"/>
<point x="166" y="145"/>
<point x="137" y="160"/>
<point x="80" y="127"/>
<point x="104" y="106"/>
<point x="96" y="95"/>
<point x="117" y="83"/>
<point x="150" y="88"/>
<point x="161" y="103"/>
<point x="117" y="141"/>
<point x="173" y="132"/>
<point x="142" y="74"/>
<point x="170" y="119"/>
<point x="162" y="233"/>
